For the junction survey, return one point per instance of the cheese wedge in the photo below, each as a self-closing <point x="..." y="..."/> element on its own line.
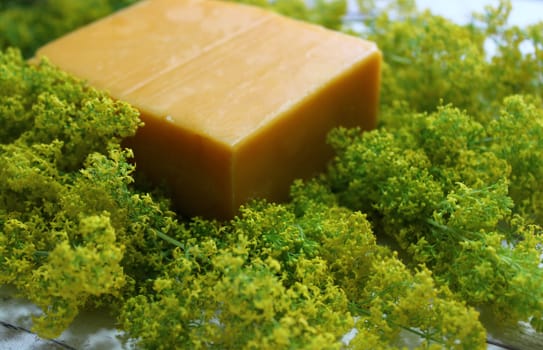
<point x="236" y="101"/>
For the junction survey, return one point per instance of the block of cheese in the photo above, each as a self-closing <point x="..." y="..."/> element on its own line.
<point x="236" y="100"/>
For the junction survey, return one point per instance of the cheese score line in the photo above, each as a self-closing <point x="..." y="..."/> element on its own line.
<point x="237" y="101"/>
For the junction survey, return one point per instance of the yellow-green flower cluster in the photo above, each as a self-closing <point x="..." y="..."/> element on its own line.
<point x="448" y="189"/>
<point x="274" y="279"/>
<point x="429" y="59"/>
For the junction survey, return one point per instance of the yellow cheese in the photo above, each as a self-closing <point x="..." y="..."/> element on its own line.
<point x="237" y="101"/>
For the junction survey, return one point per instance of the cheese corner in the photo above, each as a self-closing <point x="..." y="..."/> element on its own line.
<point x="237" y="101"/>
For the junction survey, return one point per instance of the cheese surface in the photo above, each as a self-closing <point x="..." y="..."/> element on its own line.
<point x="237" y="101"/>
